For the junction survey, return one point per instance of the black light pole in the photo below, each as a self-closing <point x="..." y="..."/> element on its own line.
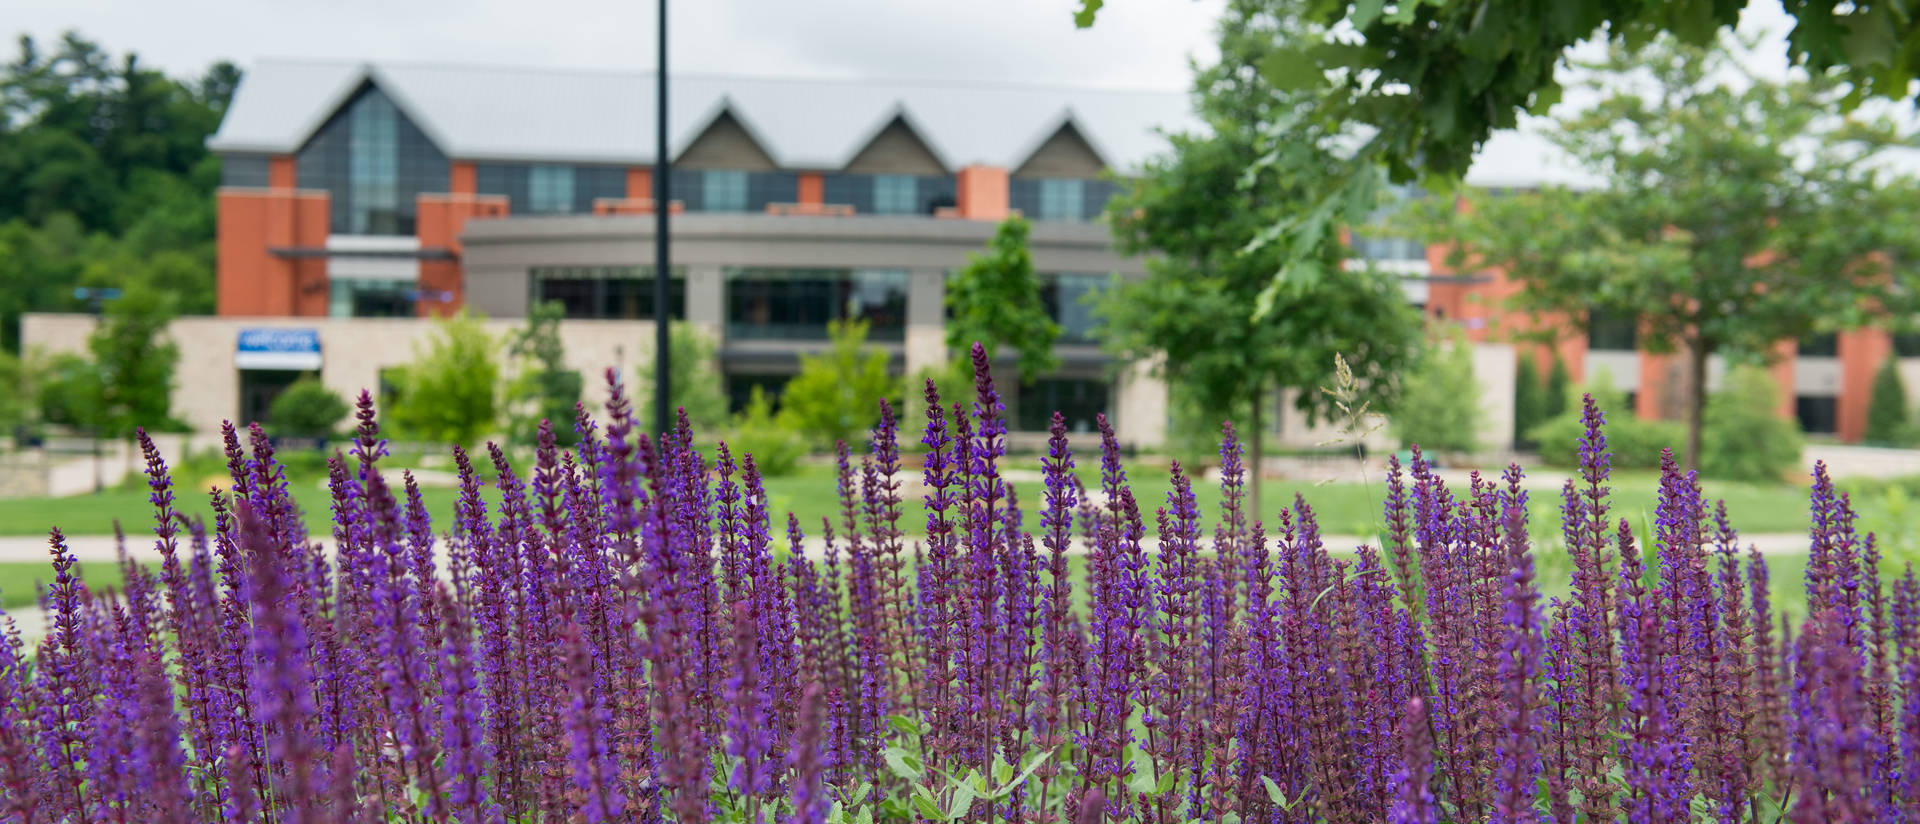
<point x="662" y="170"/>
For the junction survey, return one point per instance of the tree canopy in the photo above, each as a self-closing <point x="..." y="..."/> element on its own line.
<point x="995" y="301"/>
<point x="105" y="180"/>
<point x="1737" y="212"/>
<point x="1435" y="78"/>
<point x="1202" y="214"/>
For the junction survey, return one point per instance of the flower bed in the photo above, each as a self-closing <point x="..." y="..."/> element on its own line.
<point x="632" y="636"/>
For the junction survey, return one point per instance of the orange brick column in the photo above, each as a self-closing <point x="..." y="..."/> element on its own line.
<point x="442" y="218"/>
<point x="812" y="189"/>
<point x="1785" y="354"/>
<point x="982" y="193"/>
<point x="463" y="178"/>
<point x="251" y="223"/>
<point x="639" y="183"/>
<point x="1861" y="352"/>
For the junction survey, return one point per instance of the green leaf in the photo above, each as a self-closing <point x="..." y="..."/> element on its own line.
<point x="1020" y="779"/>
<point x="904" y="764"/>
<point x="1088" y="10"/>
<point x="1274" y="793"/>
<point x="927" y="808"/>
<point x="1292" y="70"/>
<point x="962" y="801"/>
<point x="1365" y="12"/>
<point x="1143" y="779"/>
<point x="904" y="725"/>
<point x="1166" y="782"/>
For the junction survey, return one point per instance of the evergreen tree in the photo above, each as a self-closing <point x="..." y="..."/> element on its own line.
<point x="1529" y="400"/>
<point x="1559" y="388"/>
<point x="1887" y="407"/>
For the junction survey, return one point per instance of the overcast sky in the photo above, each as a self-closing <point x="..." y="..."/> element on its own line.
<point x="1138" y="44"/>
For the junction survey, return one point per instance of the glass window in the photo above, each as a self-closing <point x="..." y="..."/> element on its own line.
<point x="550" y="190"/>
<point x="374" y="164"/>
<point x="889" y="194"/>
<point x="1068" y="297"/>
<point x="1820" y="346"/>
<point x="1063" y="199"/>
<point x="371" y="298"/>
<point x="1098" y="193"/>
<point x="724" y="190"/>
<point x="591" y="183"/>
<point x="1077" y="400"/>
<point x="795" y="304"/>
<point x="1906" y="345"/>
<point x="249" y="171"/>
<point x="607" y="292"/>
<point x="1371" y="241"/>
<point x="894" y="195"/>
<point x="1817" y="413"/>
<point x="1606" y="332"/>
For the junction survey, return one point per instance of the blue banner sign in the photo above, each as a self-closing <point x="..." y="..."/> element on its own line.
<point x="297" y="349"/>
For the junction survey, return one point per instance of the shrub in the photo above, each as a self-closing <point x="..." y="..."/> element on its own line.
<point x="756" y="431"/>
<point x="1529" y="401"/>
<point x="630" y="643"/>
<point x="1887" y="421"/>
<point x="1635" y="443"/>
<point x="1559" y="389"/>
<point x="694" y="382"/>
<point x="307" y="409"/>
<point x="544" y="389"/>
<point x="1439" y="408"/>
<point x="1743" y="439"/>
<point x="837" y="394"/>
<point x="450" y="392"/>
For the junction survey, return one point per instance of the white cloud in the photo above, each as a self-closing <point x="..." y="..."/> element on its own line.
<point x="1139" y="44"/>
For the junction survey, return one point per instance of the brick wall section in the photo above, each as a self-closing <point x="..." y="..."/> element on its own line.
<point x="282" y="172"/>
<point x="812" y="188"/>
<point x="639" y="183"/>
<point x="982" y="193"/>
<point x="1861" y="353"/>
<point x="251" y="279"/>
<point x="463" y="178"/>
<point x="442" y="219"/>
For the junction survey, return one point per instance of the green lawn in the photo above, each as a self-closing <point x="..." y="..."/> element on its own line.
<point x="1343" y="508"/>
<point x="20" y="582"/>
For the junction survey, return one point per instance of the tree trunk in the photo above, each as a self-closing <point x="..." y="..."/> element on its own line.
<point x="1254" y="436"/>
<point x="1696" y="401"/>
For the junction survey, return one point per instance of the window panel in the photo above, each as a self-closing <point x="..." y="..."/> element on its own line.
<point x="374" y="164"/>
<point x="248" y="171"/>
<point x="1063" y="199"/>
<point x="796" y="304"/>
<point x="895" y="195"/>
<point x="1068" y="298"/>
<point x="1609" y="333"/>
<point x="724" y="190"/>
<point x="371" y="298"/>
<point x="550" y="189"/>
<point x="1820" y="346"/>
<point x="1373" y="243"/>
<point x="607" y="292"/>
<point x="1078" y="400"/>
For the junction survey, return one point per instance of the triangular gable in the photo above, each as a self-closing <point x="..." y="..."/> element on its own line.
<point x="1066" y="153"/>
<point x="726" y="143"/>
<point x="897" y="149"/>
<point x="366" y="77"/>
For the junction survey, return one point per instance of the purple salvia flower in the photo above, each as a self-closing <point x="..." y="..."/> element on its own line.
<point x="283" y="692"/>
<point x="590" y="761"/>
<point x="811" y="801"/>
<point x="1413" y="802"/>
<point x="1518" y="762"/>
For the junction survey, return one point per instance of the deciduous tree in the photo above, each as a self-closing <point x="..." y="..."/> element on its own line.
<point x="1202" y="213"/>
<point x="1737" y="212"/>
<point x="995" y="301"/>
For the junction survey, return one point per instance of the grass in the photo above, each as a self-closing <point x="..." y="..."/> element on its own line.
<point x="21" y="582"/>
<point x="1346" y="508"/>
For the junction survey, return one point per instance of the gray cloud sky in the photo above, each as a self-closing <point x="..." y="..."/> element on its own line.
<point x="1138" y="44"/>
